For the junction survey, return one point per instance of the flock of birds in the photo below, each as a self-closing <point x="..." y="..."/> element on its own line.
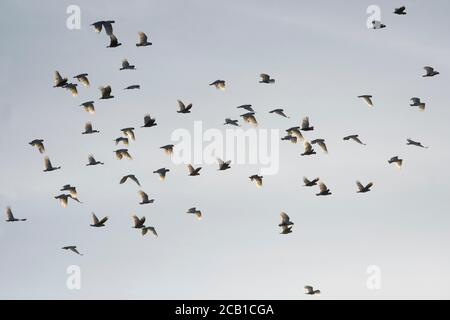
<point x="293" y="134"/>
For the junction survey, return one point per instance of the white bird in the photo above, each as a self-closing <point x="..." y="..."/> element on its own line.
<point x="197" y="213"/>
<point x="219" y="84"/>
<point x="367" y="99"/>
<point x="10" y="217"/>
<point x="72" y="190"/>
<point x="310" y="183"/>
<point x="88" y="129"/>
<point x="295" y="132"/>
<point x="64" y="199"/>
<point x="143" y="42"/>
<point x="168" y="149"/>
<point x="398" y="162"/>
<point x="308" y="149"/>
<point x="88" y="107"/>
<point x="83" y="79"/>
<point x="72" y="88"/>
<point x="249" y="117"/>
<point x="129" y="133"/>
<point x="106" y="24"/>
<point x="122" y="153"/>
<point x="305" y="125"/>
<point x="321" y="143"/>
<point x="323" y="190"/>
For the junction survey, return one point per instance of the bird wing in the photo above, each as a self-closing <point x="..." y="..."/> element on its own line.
<point x="98" y="26"/>
<point x="307" y="146"/>
<point x="264" y="77"/>
<point x="103" y="220"/>
<point x="284" y="217"/>
<point x="88" y="127"/>
<point x="9" y="213"/>
<point x="47" y="163"/>
<point x="108" y="28"/>
<point x="181" y="105"/>
<point x="142" y="38"/>
<point x="322" y="145"/>
<point x="143" y="195"/>
<point x="305" y="180"/>
<point x="308" y="289"/>
<point x="57" y="77"/>
<point x="360" y="186"/>
<point x="322" y="187"/>
<point x="429" y="69"/>
<point x="133" y="177"/>
<point x="94" y="218"/>
<point x="369" y="185"/>
<point x="113" y="41"/>
<point x="305" y="123"/>
<point x="190" y="168"/>
<point x="91" y="159"/>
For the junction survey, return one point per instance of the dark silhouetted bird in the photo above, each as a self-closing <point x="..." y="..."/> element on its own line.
<point x="193" y="171"/>
<point x="123" y="140"/>
<point x="367" y="99"/>
<point x="127" y="66"/>
<point x="289" y="138"/>
<point x="168" y="149"/>
<point x="182" y="108"/>
<point x="400" y="11"/>
<point x="73" y="249"/>
<point x="355" y="138"/>
<point x="378" y="25"/>
<point x="144" y="198"/>
<point x="231" y="122"/>
<point x="92" y="161"/>
<point x="138" y="223"/>
<point x="430" y="72"/>
<point x="105" y="92"/>
<point x="106" y="24"/>
<point x="88" y="129"/>
<point x="415" y="102"/>
<point x="10" y="217"/>
<point x="398" y="162"/>
<point x="279" y="112"/>
<point x="247" y="107"/>
<point x="98" y="223"/>
<point x="149" y="122"/>
<point x="257" y="179"/>
<point x="415" y="143"/>
<point x="308" y="149"/>
<point x="113" y="43"/>
<point x="310" y="290"/>
<point x="144" y="231"/>
<point x="285" y="220"/>
<point x="223" y="165"/>
<point x="286" y="229"/>
<point x="309" y="183"/>
<point x="363" y="189"/>
<point x="131" y="177"/>
<point x="265" y="78"/>
<point x="133" y="86"/>
<point x="58" y="80"/>
<point x="197" y="213"/>
<point x="305" y="125"/>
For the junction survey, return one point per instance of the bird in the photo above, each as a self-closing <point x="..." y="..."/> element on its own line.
<point x="106" y="24"/>
<point x="72" y="88"/>
<point x="59" y="81"/>
<point x="134" y="86"/>
<point x="310" y="183"/>
<point x="88" y="129"/>
<point x="398" y="162"/>
<point x="168" y="149"/>
<point x="72" y="190"/>
<point x="131" y="177"/>
<point x="83" y="79"/>
<point x="219" y="84"/>
<point x="73" y="249"/>
<point x="305" y="125"/>
<point x="98" y="223"/>
<point x="308" y="149"/>
<point x="113" y="43"/>
<point x="48" y="165"/>
<point x="138" y="223"/>
<point x="223" y="165"/>
<point x="143" y="42"/>
<point x="321" y="143"/>
<point x="415" y="143"/>
<point x="285" y="220"/>
<point x="249" y="117"/>
<point x="144" y="198"/>
<point x="64" y="199"/>
<point x="144" y="231"/>
<point x="182" y="108"/>
<point x="430" y="72"/>
<point x="88" y="106"/>
<point x="378" y="25"/>
<point x="39" y="144"/>
<point x="310" y="290"/>
<point x="162" y="173"/>
<point x="10" y="217"/>
<point x="279" y="112"/>
<point x="92" y="161"/>
<point x="198" y="213"/>
<point x="257" y="179"/>
<point x="323" y="190"/>
<point x="355" y="138"/>
<point x="286" y="229"/>
<point x="415" y="102"/>
<point x="123" y="140"/>
<point x="289" y="138"/>
<point x="105" y="92"/>
<point x="149" y="122"/>
<point x="127" y="66"/>
<point x="295" y="132"/>
<point x="122" y="153"/>
<point x="363" y="189"/>
<point x="129" y="133"/>
<point x="231" y="122"/>
<point x="265" y="78"/>
<point x="400" y="11"/>
<point x="247" y="107"/>
<point x="367" y="99"/>
<point x="193" y="171"/>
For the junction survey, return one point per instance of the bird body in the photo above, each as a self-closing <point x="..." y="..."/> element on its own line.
<point x="219" y="84"/>
<point x="249" y="117"/>
<point x="378" y="25"/>
<point x="295" y="132"/>
<point x="279" y="112"/>
<point x="398" y="162"/>
<point x="127" y="66"/>
<point x="93" y="162"/>
<point x="323" y="190"/>
<point x="247" y="107"/>
<point x="400" y="11"/>
<point x="415" y="143"/>
<point x="265" y="78"/>
<point x="197" y="213"/>
<point x="134" y="86"/>
<point x="231" y="122"/>
<point x="415" y="102"/>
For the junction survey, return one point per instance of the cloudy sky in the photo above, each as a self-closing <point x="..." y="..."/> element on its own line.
<point x="322" y="56"/>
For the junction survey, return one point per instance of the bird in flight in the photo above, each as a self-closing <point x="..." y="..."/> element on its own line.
<point x="257" y="179"/>
<point x="193" y="171"/>
<point x="182" y="108"/>
<point x="310" y="291"/>
<point x="122" y="153"/>
<point x="162" y="173"/>
<point x="149" y="122"/>
<point x="279" y="112"/>
<point x="39" y="144"/>
<point x="106" y="24"/>
<point x="127" y="66"/>
<point x="292" y="139"/>
<point x="285" y="220"/>
<point x="219" y="84"/>
<point x="231" y="122"/>
<point x="398" y="162"/>
<point x="362" y="188"/>
<point x="197" y="213"/>
<point x="295" y="132"/>
<point x="105" y="92"/>
<point x="223" y="165"/>
<point x="72" y="88"/>
<point x="71" y="189"/>
<point x="430" y="72"/>
<point x="10" y="217"/>
<point x="265" y="78"/>
<point x="286" y="229"/>
<point x="88" y="129"/>
<point x="129" y="133"/>
<point x="144" y="198"/>
<point x="415" y="102"/>
<point x="323" y="190"/>
<point x="48" y="165"/>
<point x="123" y="140"/>
<point x="134" y="86"/>
<point x="168" y="149"/>
<point x="143" y="41"/>
<point x="249" y="117"/>
<point x="64" y="199"/>
<point x="58" y="80"/>
<point x="415" y="143"/>
<point x="144" y="231"/>
<point x="88" y="107"/>
<point x="400" y="11"/>
<point x="113" y="42"/>
<point x="355" y="138"/>
<point x="310" y="183"/>
<point x="305" y="125"/>
<point x="367" y="99"/>
<point x="83" y="79"/>
<point x="92" y="161"/>
<point x="98" y="223"/>
<point x="378" y="25"/>
<point x="131" y="177"/>
<point x="138" y="223"/>
<point x="308" y="149"/>
<point x="73" y="249"/>
<point x="247" y="107"/>
<point x="321" y="143"/>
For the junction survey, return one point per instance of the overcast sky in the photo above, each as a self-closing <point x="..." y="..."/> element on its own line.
<point x="322" y="56"/>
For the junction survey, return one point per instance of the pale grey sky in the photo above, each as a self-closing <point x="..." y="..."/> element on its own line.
<point x="322" y="56"/>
